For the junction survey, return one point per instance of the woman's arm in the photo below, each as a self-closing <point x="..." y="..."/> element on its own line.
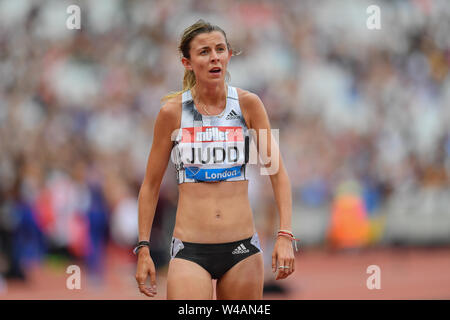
<point x="268" y="150"/>
<point x="156" y="166"/>
<point x="149" y="192"/>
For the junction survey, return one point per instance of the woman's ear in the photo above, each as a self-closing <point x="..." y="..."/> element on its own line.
<point x="186" y="63"/>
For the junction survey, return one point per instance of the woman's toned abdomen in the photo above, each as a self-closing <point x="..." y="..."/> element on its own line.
<point x="213" y="212"/>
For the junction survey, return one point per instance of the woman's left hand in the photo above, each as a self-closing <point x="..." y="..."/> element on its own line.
<point x="283" y="258"/>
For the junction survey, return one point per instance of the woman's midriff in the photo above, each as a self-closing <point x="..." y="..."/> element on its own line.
<point x="215" y="212"/>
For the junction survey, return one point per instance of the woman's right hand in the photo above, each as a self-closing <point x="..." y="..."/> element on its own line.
<point x="146" y="267"/>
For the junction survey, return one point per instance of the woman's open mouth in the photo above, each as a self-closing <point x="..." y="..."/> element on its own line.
<point x="215" y="70"/>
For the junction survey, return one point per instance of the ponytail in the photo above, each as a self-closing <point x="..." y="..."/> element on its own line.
<point x="188" y="83"/>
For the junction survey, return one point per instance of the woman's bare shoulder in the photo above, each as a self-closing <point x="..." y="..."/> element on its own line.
<point x="172" y="106"/>
<point x="250" y="105"/>
<point x="170" y="112"/>
<point x="246" y="97"/>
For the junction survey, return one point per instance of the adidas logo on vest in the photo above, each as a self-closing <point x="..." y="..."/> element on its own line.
<point x="240" y="249"/>
<point x="232" y="115"/>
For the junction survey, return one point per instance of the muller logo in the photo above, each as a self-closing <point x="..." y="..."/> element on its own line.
<point x="212" y="134"/>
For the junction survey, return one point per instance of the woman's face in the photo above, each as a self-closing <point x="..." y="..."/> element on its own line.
<point x="209" y="57"/>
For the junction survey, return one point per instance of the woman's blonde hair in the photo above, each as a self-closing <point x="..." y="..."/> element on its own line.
<point x="189" y="34"/>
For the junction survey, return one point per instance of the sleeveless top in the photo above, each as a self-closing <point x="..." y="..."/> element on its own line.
<point x="211" y="148"/>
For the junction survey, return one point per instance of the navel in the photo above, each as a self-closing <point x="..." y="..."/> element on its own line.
<point x="218" y="214"/>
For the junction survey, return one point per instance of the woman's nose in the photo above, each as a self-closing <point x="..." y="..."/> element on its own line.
<point x="214" y="55"/>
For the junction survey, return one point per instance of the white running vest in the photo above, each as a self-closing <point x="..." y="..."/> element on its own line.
<point x="211" y="148"/>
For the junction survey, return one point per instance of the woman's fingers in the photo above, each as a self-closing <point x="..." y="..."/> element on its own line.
<point x="146" y="270"/>
<point x="285" y="267"/>
<point x="292" y="264"/>
<point x="148" y="291"/>
<point x="152" y="273"/>
<point x="283" y="259"/>
<point x="274" y="262"/>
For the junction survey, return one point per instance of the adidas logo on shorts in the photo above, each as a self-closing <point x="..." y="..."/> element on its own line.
<point x="240" y="250"/>
<point x="232" y="115"/>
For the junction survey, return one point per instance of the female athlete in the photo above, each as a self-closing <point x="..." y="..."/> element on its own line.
<point x="204" y="129"/>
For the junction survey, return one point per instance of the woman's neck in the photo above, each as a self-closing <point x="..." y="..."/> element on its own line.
<point x="210" y="95"/>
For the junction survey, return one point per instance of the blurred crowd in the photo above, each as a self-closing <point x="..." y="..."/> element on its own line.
<point x="77" y="109"/>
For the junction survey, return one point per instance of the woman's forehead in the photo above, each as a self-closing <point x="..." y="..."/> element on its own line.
<point x="208" y="39"/>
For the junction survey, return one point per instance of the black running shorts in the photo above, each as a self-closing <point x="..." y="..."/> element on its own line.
<point x="218" y="258"/>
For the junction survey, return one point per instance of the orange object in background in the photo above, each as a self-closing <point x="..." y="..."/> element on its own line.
<point x="350" y="226"/>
